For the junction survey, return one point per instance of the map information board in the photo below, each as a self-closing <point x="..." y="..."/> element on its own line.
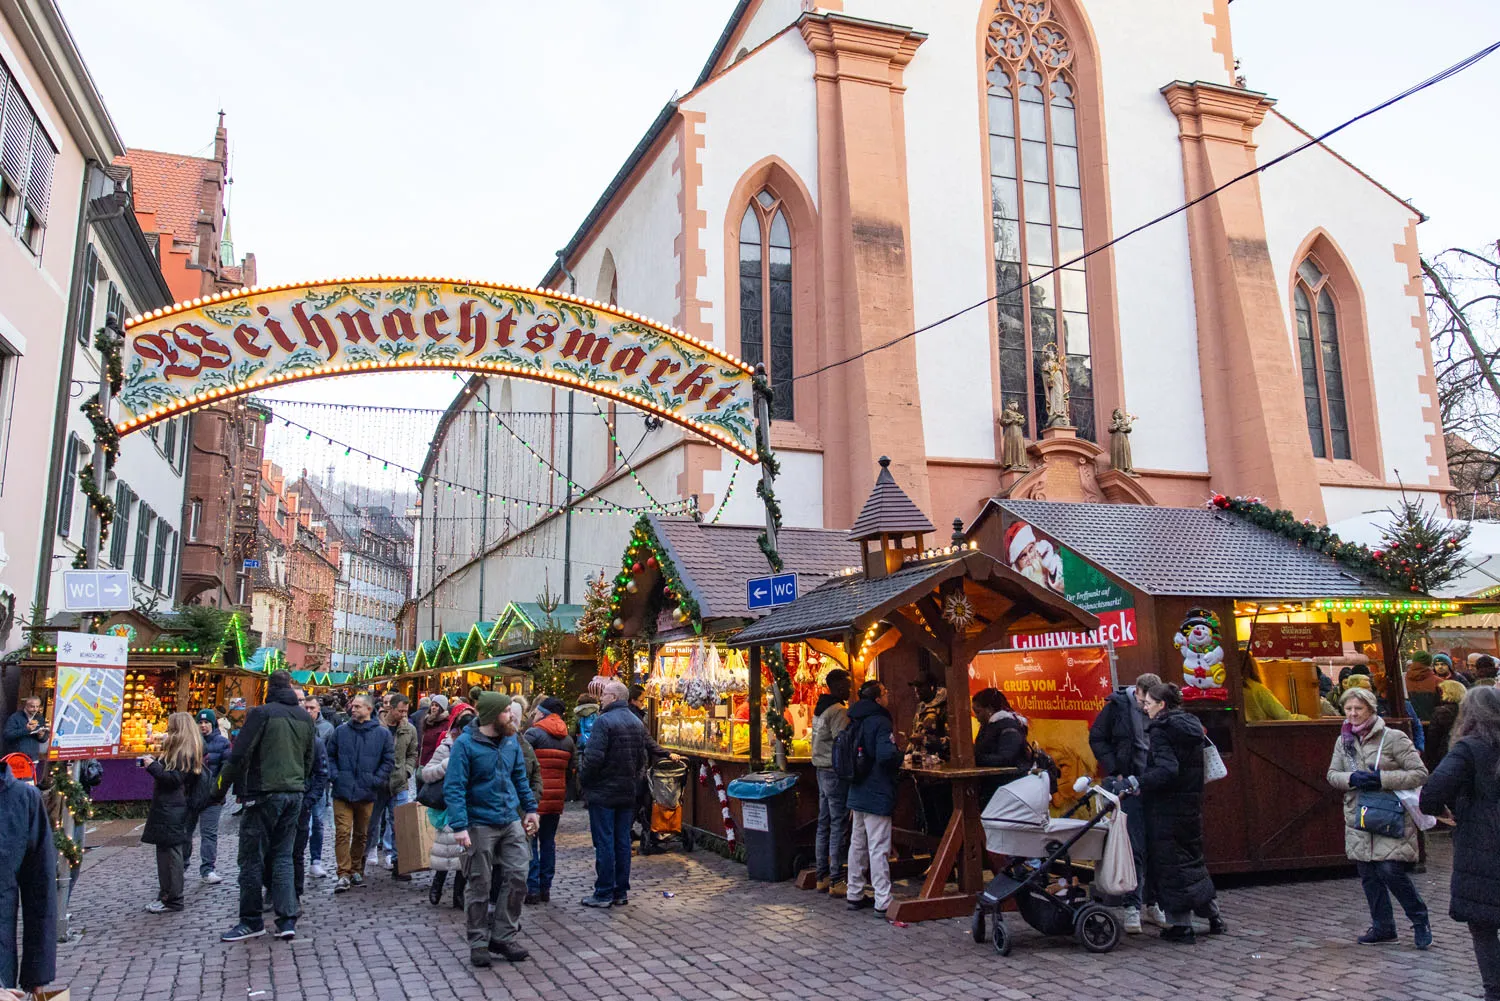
<point x="90" y="696"/>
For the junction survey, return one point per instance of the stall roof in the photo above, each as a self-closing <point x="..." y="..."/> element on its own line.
<point x="714" y="561"/>
<point x="1194" y="552"/>
<point x="566" y="616"/>
<point x="853" y="601"/>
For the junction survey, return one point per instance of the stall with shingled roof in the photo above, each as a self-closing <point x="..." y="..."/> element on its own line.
<point x="1249" y="612"/>
<point x="920" y="608"/>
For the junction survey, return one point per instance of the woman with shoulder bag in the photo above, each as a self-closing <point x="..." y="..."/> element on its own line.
<point x="1371" y="762"/>
<point x="1467" y="782"/>
<point x="446" y="855"/>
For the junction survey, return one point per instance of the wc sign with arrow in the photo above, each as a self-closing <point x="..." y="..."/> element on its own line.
<point x="769" y="592"/>
<point x="96" y="590"/>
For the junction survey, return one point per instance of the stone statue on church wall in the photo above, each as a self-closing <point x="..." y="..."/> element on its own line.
<point x="1055" y="383"/>
<point x="1013" y="440"/>
<point x="1120" y="425"/>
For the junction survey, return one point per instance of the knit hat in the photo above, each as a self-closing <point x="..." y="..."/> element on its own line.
<point x="552" y="705"/>
<point x="491" y="705"/>
<point x="207" y="716"/>
<point x="441" y="701"/>
<point x="1363" y="694"/>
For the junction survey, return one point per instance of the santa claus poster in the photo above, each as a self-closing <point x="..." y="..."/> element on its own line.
<point x="1058" y="691"/>
<point x="1043" y="560"/>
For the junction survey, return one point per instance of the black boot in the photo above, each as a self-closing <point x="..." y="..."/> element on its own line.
<point x="458" y="891"/>
<point x="435" y="891"/>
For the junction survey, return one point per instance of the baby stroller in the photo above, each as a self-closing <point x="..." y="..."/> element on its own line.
<point x="1041" y="877"/>
<point x="661" y="815"/>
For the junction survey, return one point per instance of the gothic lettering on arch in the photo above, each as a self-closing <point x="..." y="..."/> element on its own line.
<point x="229" y="344"/>
<point x="766" y="297"/>
<point x="1036" y="204"/>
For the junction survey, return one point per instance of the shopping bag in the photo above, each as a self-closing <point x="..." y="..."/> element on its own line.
<point x="414" y="836"/>
<point x="1116" y="872"/>
<point x="50" y="994"/>
<point x="1410" y="799"/>
<point x="1213" y="763"/>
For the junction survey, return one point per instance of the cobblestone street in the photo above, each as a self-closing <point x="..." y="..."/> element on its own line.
<point x="718" y="936"/>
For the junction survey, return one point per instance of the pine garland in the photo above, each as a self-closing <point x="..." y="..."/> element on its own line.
<point x="643" y="552"/>
<point x="112" y="350"/>
<point x="79" y="805"/>
<point x="771" y="655"/>
<point x="1418" y="553"/>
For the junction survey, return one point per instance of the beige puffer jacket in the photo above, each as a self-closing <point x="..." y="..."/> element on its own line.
<point x="446" y="855"/>
<point x="1400" y="767"/>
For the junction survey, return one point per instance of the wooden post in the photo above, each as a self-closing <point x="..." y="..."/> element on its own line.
<point x="754" y="695"/>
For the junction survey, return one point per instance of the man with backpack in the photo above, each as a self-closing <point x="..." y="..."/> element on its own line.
<point x="830" y="718"/>
<point x="866" y="753"/>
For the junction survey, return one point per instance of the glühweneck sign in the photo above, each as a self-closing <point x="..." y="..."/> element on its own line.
<point x="237" y="342"/>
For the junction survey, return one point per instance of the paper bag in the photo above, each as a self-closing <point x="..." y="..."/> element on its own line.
<point x="51" y="994"/>
<point x="414" y="836"/>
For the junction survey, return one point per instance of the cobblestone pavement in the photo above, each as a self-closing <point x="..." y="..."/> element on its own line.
<point x="719" y="936"/>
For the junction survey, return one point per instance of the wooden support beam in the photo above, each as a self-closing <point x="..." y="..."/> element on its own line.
<point x="915" y="632"/>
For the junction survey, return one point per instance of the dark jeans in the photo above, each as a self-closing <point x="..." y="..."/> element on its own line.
<point x="610" y="829"/>
<point x="268" y="830"/>
<point x="1487" y="952"/>
<point x="305" y="821"/>
<point x="543" y="855"/>
<point x="1383" y="880"/>
<point x="208" y="837"/>
<point x="169" y="865"/>
<point x="831" y="840"/>
<point x="319" y="814"/>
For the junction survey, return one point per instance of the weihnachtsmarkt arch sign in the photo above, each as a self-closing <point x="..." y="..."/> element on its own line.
<point x="237" y="342"/>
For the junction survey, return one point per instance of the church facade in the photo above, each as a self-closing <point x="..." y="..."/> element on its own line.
<point x="902" y="209"/>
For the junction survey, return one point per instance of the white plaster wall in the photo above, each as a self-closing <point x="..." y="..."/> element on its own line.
<point x="1142" y="48"/>
<point x="799" y="489"/>
<point x="769" y="18"/>
<point x="766" y="105"/>
<point x="1316" y="189"/>
<point x="1343" y="503"/>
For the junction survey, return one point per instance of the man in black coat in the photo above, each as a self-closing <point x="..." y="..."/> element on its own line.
<point x="613" y="762"/>
<point x="28" y="871"/>
<point x="1118" y="740"/>
<point x="274" y="756"/>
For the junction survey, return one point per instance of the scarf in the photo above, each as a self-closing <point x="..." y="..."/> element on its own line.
<point x="1351" y="734"/>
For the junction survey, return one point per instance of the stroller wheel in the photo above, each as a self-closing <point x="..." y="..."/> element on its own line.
<point x="1096" y="928"/>
<point x="976" y="927"/>
<point x="1000" y="936"/>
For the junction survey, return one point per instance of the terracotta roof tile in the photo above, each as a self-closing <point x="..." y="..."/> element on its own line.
<point x="889" y="510"/>
<point x="716" y="560"/>
<point x="171" y="186"/>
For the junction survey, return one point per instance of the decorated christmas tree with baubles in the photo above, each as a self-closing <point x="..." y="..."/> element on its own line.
<point x="1419" y="551"/>
<point x="597" y="615"/>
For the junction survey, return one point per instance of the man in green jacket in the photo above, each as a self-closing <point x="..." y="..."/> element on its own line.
<point x="396" y="791"/>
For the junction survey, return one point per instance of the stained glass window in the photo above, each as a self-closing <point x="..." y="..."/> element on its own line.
<point x="1037" y="211"/>
<point x="1321" y="363"/>
<point x="766" y="297"/>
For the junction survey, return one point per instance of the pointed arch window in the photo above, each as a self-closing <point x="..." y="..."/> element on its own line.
<point x="1322" y="363"/>
<point x="766" y="296"/>
<point x="1037" y="209"/>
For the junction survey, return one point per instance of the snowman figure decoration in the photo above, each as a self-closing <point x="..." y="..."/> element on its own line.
<point x="1202" y="656"/>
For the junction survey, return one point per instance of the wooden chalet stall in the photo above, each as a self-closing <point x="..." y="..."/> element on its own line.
<point x="1244" y="620"/>
<point x="905" y="610"/>
<point x="516" y="645"/>
<point x="679" y="598"/>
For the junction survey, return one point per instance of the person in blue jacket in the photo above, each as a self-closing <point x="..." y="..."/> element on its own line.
<point x="215" y="753"/>
<point x="360" y="758"/>
<point x="872" y="800"/>
<point x="26" y="730"/>
<point x="492" y="812"/>
<point x="28" y="873"/>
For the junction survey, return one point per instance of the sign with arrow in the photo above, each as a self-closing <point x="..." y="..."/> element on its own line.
<point x="769" y="592"/>
<point x="96" y="590"/>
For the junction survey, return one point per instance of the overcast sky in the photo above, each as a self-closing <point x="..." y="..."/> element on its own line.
<point x="470" y="138"/>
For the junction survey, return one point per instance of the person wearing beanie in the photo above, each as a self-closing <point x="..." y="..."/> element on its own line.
<point x="433" y="728"/>
<point x="1371" y="757"/>
<point x="549" y="737"/>
<point x="492" y="811"/>
<point x="215" y="754"/>
<point x="274" y="756"/>
<point x="1485" y="671"/>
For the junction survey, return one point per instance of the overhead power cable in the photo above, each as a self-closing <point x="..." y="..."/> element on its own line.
<point x="1436" y="78"/>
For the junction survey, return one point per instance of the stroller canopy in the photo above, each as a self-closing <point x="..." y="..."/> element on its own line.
<point x="1023" y="803"/>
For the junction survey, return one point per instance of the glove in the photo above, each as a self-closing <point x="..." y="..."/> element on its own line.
<point x="1365" y="780"/>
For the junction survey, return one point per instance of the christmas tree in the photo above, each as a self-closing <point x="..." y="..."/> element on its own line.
<point x="1419" y="551"/>
<point x="593" y="624"/>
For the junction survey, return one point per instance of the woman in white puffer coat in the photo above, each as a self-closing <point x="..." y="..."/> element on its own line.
<point x="446" y="855"/>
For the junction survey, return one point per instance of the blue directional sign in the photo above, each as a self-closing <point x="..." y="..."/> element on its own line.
<point x="252" y="564"/>
<point x="768" y="592"/>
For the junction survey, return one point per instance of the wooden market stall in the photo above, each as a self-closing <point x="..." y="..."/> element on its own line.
<point x="1246" y="621"/>
<point x="167" y="672"/>
<point x="678" y="599"/>
<point x="924" y="609"/>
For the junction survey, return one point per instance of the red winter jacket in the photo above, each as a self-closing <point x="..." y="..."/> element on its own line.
<point x="554" y="752"/>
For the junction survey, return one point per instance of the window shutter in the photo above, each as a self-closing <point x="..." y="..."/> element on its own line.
<point x="119" y="533"/>
<point x="69" y="484"/>
<point x="159" y="558"/>
<point x="142" y="543"/>
<point x="115" y="302"/>
<point x="86" y="303"/>
<point x="15" y="137"/>
<point x="39" y="184"/>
